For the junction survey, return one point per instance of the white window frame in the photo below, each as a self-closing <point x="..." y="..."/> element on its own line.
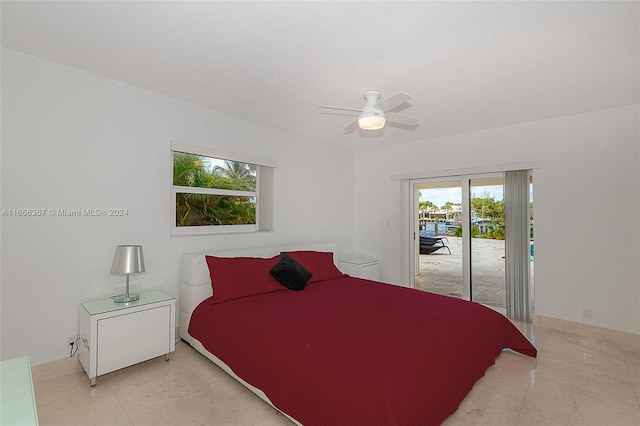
<point x="263" y="192"/>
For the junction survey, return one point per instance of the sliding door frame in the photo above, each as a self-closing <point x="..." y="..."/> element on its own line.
<point x="406" y="205"/>
<point x="465" y="184"/>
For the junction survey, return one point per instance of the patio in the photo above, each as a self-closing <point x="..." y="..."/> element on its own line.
<point x="441" y="272"/>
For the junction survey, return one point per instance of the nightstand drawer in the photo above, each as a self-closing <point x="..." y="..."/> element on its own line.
<point x="131" y="338"/>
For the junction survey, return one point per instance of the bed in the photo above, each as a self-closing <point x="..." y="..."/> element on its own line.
<point x="341" y="350"/>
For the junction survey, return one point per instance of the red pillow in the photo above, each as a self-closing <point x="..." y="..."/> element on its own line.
<point x="319" y="263"/>
<point x="236" y="277"/>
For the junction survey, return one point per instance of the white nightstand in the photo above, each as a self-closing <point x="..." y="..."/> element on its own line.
<point x="117" y="335"/>
<point x="361" y="267"/>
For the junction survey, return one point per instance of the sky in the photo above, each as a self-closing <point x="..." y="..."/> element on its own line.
<point x="439" y="196"/>
<point x="210" y="162"/>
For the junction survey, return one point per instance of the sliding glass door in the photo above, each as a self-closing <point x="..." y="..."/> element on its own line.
<point x="438" y="239"/>
<point x="459" y="245"/>
<point x="487" y="241"/>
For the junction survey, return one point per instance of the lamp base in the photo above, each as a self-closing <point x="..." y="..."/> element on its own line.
<point x="125" y="298"/>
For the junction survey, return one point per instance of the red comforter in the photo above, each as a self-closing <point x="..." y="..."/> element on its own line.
<point x="355" y="352"/>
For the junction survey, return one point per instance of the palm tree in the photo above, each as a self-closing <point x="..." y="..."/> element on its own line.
<point x="193" y="209"/>
<point x="240" y="176"/>
<point x="189" y="170"/>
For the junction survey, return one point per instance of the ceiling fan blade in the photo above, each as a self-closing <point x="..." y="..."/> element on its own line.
<point x="351" y="127"/>
<point x="401" y="119"/>
<point x="393" y="101"/>
<point x="340" y="108"/>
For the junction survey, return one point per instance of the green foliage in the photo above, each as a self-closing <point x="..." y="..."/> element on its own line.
<point x="192" y="170"/>
<point x="235" y="176"/>
<point x="424" y="204"/>
<point x="448" y="206"/>
<point x="207" y="209"/>
<point x="496" y="231"/>
<point x="189" y="170"/>
<point x="475" y="231"/>
<point x="488" y="207"/>
<point x="531" y="210"/>
<point x="484" y="207"/>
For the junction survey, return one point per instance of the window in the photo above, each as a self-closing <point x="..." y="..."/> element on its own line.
<point x="218" y="192"/>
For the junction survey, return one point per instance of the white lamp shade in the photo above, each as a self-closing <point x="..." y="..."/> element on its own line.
<point x="128" y="260"/>
<point x="371" y="122"/>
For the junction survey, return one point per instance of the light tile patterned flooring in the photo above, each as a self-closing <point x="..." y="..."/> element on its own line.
<point x="441" y="272"/>
<point x="575" y="380"/>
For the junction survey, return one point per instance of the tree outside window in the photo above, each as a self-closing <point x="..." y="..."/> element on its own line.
<point x="213" y="192"/>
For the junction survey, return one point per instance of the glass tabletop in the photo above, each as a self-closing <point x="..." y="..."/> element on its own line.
<point x="17" y="402"/>
<point x="95" y="307"/>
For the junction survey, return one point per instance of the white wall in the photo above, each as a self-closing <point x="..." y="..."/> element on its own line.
<point x="587" y="206"/>
<point x="74" y="140"/>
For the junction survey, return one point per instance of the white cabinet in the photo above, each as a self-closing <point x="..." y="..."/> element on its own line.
<point x="117" y="335"/>
<point x="361" y="267"/>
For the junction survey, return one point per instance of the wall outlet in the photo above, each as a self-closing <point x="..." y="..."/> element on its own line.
<point x="586" y="313"/>
<point x="71" y="339"/>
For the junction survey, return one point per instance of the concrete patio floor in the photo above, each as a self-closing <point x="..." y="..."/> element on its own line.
<point x="441" y="272"/>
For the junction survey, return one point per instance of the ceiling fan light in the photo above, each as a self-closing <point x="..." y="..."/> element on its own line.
<point x="372" y="122"/>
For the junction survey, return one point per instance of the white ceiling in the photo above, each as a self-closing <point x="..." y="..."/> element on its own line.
<point x="468" y="65"/>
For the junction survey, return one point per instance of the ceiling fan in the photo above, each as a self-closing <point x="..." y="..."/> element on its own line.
<point x="375" y="113"/>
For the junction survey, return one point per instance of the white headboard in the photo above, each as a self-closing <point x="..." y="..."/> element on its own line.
<point x="195" y="283"/>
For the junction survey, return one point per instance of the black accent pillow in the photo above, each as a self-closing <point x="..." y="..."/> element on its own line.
<point x="290" y="273"/>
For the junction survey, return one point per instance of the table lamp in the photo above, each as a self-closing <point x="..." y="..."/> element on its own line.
<point x="127" y="260"/>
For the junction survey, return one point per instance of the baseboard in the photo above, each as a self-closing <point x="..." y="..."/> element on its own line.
<point x="627" y="341"/>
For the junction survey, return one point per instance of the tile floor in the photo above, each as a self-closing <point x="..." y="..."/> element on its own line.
<point x="576" y="380"/>
<point x="441" y="272"/>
